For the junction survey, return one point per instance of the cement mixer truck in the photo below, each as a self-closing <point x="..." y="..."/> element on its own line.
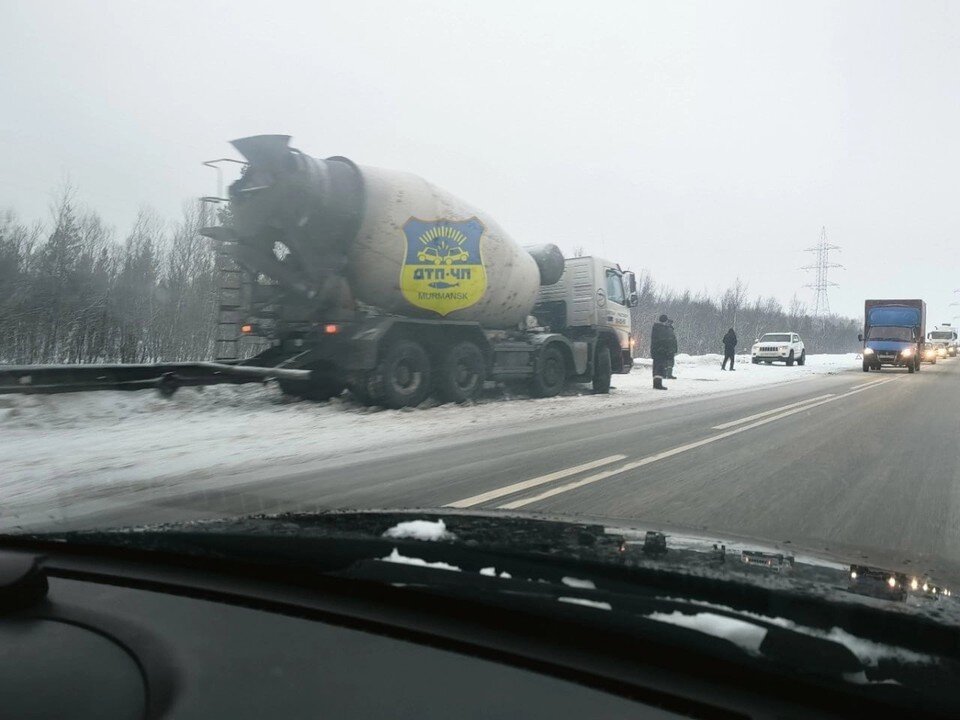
<point x="381" y="283"/>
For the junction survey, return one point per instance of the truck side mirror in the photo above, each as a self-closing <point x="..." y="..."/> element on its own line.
<point x="860" y="337"/>
<point x="631" y="283"/>
<point x="633" y="300"/>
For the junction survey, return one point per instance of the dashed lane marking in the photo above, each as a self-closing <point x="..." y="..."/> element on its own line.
<point x="533" y="482"/>
<point x="681" y="449"/>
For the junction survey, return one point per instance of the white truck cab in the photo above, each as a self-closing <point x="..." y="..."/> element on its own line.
<point x="943" y="339"/>
<point x="786" y="347"/>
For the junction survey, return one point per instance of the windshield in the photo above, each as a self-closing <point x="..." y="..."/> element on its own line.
<point x="881" y="332"/>
<point x="381" y="257"/>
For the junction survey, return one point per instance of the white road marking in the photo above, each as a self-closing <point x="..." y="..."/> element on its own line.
<point x="682" y="449"/>
<point x="533" y="482"/>
<point x="733" y="423"/>
<point x="867" y="384"/>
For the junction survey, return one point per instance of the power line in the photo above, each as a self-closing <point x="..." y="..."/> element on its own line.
<point x="821" y="268"/>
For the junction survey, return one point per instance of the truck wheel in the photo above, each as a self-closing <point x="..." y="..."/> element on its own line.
<point x="404" y="375"/>
<point x="790" y="359"/>
<point x="918" y="362"/>
<point x="866" y="366"/>
<point x="755" y="361"/>
<point x="911" y="367"/>
<point x="550" y="375"/>
<point x="803" y="358"/>
<point x="602" y="370"/>
<point x="461" y="373"/>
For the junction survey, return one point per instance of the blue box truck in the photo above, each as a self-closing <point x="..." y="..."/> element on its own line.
<point x="893" y="334"/>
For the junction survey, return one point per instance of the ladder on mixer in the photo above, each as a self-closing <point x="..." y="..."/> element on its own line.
<point x="229" y="301"/>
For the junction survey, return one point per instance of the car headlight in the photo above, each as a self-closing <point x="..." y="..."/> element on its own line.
<point x="783" y="347"/>
<point x="868" y="351"/>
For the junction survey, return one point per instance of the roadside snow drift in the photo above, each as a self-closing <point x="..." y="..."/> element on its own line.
<point x="52" y="444"/>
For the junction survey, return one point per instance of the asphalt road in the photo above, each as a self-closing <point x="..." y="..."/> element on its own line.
<point x="848" y="463"/>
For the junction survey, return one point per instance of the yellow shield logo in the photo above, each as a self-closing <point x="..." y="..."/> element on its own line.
<point x="443" y="270"/>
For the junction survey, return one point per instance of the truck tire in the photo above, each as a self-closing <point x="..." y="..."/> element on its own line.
<point x="803" y="358"/>
<point x="911" y="367"/>
<point x="403" y="376"/>
<point x="461" y="373"/>
<point x="602" y="370"/>
<point x="755" y="361"/>
<point x="790" y="359"/>
<point x="550" y="375"/>
<point x="918" y="362"/>
<point x="359" y="385"/>
<point x="866" y="366"/>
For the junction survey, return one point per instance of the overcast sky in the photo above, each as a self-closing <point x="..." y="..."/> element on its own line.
<point x="700" y="141"/>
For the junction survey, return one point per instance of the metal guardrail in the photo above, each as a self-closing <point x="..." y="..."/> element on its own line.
<point x="166" y="377"/>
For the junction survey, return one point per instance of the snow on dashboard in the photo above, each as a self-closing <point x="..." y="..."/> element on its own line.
<point x="420" y="530"/>
<point x="396" y="557"/>
<point x="58" y="447"/>
<point x="744" y="634"/>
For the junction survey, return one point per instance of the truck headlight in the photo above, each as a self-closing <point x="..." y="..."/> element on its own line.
<point x="907" y="353"/>
<point x="868" y="351"/>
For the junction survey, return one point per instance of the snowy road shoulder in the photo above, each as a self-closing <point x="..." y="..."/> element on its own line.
<point x="55" y="444"/>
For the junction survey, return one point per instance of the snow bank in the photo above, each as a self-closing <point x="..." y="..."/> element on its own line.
<point x="52" y="446"/>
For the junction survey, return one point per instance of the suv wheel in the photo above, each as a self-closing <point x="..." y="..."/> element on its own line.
<point x="790" y="359"/>
<point x="803" y="358"/>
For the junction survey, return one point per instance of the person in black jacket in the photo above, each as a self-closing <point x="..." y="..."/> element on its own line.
<point x="660" y="348"/>
<point x="729" y="348"/>
<point x="673" y="352"/>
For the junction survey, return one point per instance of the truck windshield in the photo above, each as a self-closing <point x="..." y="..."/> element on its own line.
<point x="885" y="332"/>
<point x="775" y="337"/>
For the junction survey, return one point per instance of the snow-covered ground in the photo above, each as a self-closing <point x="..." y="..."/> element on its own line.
<point x="52" y="444"/>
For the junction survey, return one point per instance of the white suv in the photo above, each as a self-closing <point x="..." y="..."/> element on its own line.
<point x="785" y="346"/>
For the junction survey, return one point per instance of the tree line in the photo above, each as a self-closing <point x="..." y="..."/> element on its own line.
<point x="74" y="291"/>
<point x="701" y="320"/>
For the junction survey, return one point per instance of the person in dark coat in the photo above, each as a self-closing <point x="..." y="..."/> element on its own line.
<point x="729" y="348"/>
<point x="660" y="348"/>
<point x="673" y="352"/>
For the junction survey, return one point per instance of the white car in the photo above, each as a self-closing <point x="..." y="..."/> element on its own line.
<point x="780" y="346"/>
